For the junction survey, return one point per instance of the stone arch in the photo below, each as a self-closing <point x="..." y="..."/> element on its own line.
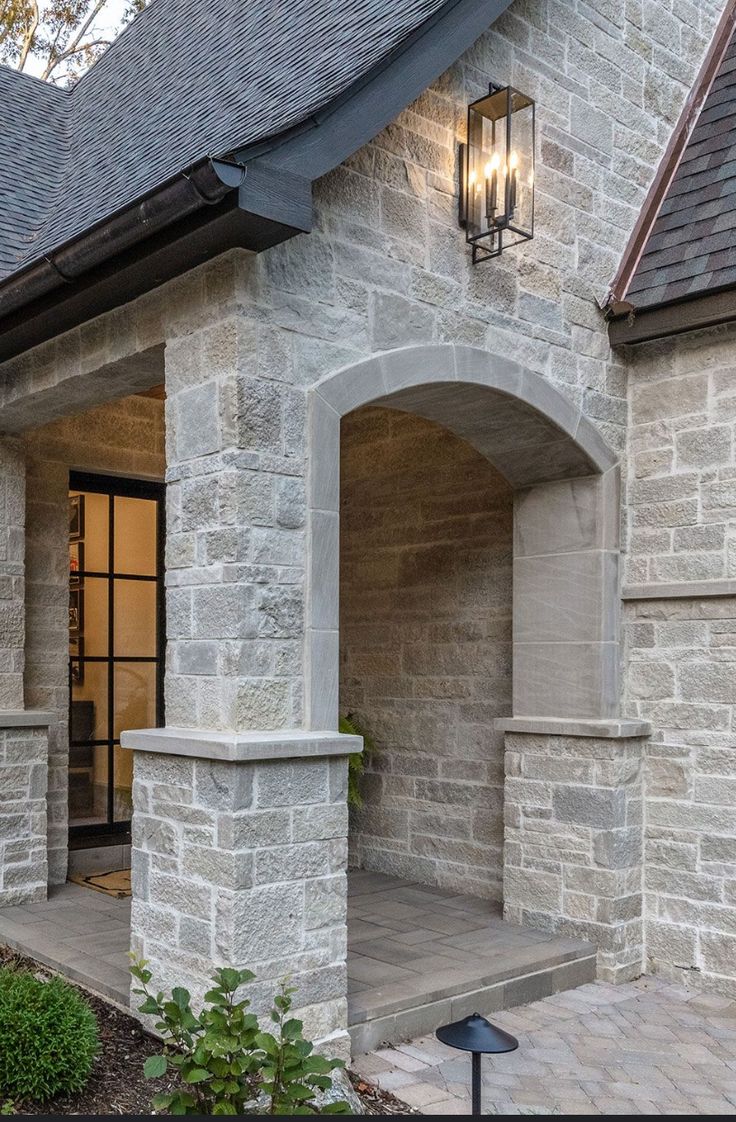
<point x="566" y="518"/>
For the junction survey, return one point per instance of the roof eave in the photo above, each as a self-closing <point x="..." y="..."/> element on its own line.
<point x="658" y="322"/>
<point x="272" y="203"/>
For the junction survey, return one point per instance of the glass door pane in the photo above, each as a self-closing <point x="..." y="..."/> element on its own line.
<point x="115" y="640"/>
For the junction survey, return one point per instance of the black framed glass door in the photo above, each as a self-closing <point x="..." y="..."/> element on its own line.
<point x="116" y="643"/>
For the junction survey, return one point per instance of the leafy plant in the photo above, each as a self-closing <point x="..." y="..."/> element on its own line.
<point x="222" y="1057"/>
<point x="357" y="761"/>
<point x="48" y="1038"/>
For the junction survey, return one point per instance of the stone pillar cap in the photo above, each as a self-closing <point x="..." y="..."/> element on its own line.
<point x="241" y="747"/>
<point x="619" y="728"/>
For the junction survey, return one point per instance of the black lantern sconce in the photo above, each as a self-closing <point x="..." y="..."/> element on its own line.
<point x="478" y="1036"/>
<point x="497" y="172"/>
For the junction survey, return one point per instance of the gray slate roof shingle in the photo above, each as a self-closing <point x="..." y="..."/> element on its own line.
<point x="184" y="81"/>
<point x="691" y="249"/>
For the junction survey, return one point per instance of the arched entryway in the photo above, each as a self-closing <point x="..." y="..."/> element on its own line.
<point x="566" y="517"/>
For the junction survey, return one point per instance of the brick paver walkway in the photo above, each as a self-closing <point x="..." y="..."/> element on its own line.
<point x="643" y="1048"/>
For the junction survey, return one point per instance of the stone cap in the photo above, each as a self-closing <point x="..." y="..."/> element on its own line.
<point x="241" y="747"/>
<point x="28" y="718"/>
<point x="619" y="728"/>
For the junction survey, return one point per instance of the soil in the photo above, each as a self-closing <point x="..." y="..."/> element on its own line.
<point x="117" y="1084"/>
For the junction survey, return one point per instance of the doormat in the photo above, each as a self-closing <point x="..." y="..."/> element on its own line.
<point x="114" y="883"/>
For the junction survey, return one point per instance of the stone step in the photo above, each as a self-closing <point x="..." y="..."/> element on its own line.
<point x="391" y="1015"/>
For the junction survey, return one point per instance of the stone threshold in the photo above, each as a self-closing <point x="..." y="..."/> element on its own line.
<point x="241" y="747"/>
<point x="619" y="728"/>
<point x="569" y="969"/>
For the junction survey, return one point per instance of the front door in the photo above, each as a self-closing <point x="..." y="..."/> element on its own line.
<point x="116" y="638"/>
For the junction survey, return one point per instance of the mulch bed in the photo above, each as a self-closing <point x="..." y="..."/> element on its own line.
<point x="117" y="1084"/>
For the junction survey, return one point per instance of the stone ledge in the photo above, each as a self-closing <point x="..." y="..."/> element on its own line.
<point x="28" y="718"/>
<point x="241" y="747"/>
<point x="679" y="590"/>
<point x="612" y="728"/>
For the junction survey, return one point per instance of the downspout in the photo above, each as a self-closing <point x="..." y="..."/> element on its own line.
<point x="190" y="191"/>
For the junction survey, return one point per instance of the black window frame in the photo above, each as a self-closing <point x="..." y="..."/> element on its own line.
<point x="111" y="831"/>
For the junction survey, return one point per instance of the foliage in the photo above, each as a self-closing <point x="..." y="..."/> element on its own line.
<point x="48" y="1037"/>
<point x="358" y="761"/>
<point x="59" y="39"/>
<point x="222" y="1057"/>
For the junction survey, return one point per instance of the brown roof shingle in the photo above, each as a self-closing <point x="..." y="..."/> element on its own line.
<point x="691" y="249"/>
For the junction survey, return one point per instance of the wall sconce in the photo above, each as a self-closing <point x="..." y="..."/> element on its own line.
<point x="497" y="172"/>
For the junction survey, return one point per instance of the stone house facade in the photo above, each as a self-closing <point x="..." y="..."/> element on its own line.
<point x="524" y="582"/>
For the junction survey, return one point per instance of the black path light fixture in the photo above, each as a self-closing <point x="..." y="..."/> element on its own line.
<point x="497" y="172"/>
<point x="478" y="1036"/>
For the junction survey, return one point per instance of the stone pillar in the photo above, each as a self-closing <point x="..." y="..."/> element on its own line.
<point x="235" y="527"/>
<point x="23" y="780"/>
<point x="573" y="841"/>
<point x="239" y="858"/>
<point x="23" y="734"/>
<point x="12" y="573"/>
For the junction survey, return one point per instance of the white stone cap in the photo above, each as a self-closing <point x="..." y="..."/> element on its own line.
<point x="612" y="727"/>
<point x="30" y="718"/>
<point x="241" y="747"/>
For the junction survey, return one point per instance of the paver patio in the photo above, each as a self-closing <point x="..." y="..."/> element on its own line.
<point x="420" y="955"/>
<point x="646" y="1047"/>
<point x="417" y="955"/>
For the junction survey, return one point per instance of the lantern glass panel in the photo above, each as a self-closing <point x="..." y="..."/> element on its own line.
<point x="500" y="170"/>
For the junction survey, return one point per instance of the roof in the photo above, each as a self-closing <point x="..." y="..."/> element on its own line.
<point x="692" y="246"/>
<point x="183" y="82"/>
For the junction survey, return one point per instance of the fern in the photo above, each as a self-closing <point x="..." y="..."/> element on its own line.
<point x="357" y="761"/>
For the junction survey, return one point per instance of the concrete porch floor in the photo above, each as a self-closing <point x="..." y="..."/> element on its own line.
<point x="417" y="956"/>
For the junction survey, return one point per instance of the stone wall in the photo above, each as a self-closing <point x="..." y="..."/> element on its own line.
<point x="124" y="437"/>
<point x="573" y="852"/>
<point x="681" y="496"/>
<point x="243" y="864"/>
<point x="425" y="631"/>
<point x="681" y="645"/>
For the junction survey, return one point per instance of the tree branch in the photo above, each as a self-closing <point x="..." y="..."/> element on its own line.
<point x="29" y="37"/>
<point x="69" y="53"/>
<point x="74" y="46"/>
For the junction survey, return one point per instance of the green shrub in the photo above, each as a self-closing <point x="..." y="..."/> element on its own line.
<point x="48" y="1037"/>
<point x="225" y="1061"/>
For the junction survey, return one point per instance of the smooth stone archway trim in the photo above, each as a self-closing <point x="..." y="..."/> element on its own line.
<point x="450" y="384"/>
<point x="566" y="589"/>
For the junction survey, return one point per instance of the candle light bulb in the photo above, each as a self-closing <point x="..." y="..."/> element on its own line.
<point x="513" y="181"/>
<point x="491" y="177"/>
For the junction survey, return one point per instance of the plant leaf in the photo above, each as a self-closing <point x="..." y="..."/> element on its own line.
<point x="155" y="1067"/>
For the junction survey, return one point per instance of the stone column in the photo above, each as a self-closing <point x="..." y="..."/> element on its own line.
<point x="235" y="527"/>
<point x="240" y="818"/>
<point x="23" y="734"/>
<point x="239" y="858"/>
<point x="573" y="840"/>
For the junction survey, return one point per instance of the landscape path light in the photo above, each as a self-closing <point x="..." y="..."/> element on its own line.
<point x="478" y="1036"/>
